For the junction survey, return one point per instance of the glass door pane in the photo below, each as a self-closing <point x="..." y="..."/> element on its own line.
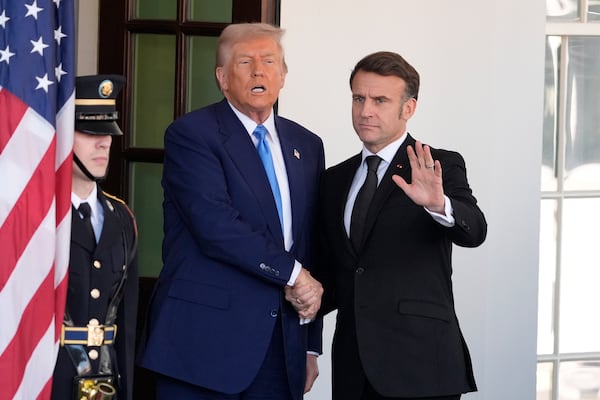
<point x="153" y="88"/>
<point x="562" y="10"/>
<point x="202" y="88"/>
<point x="582" y="155"/>
<point x="544" y="381"/>
<point x="593" y="10"/>
<point x="146" y="202"/>
<point x="550" y="132"/>
<point x="580" y="277"/>
<point x="210" y="10"/>
<point x="155" y="9"/>
<point x="547" y="276"/>
<point x="579" y="380"/>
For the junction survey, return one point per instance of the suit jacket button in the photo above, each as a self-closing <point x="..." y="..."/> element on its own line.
<point x="274" y="313"/>
<point x="360" y="270"/>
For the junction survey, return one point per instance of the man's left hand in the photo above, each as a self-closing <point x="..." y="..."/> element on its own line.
<point x="426" y="187"/>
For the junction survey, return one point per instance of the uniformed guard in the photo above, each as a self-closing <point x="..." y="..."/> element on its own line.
<point x="96" y="355"/>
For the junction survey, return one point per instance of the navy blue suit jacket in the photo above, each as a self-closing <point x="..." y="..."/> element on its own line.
<point x="221" y="287"/>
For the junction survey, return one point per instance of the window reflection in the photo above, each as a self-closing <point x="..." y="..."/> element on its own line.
<point x="579" y="380"/>
<point x="594" y="10"/>
<point x="547" y="276"/>
<point x="580" y="276"/>
<point x="544" y="381"/>
<point x="550" y="132"/>
<point x="562" y="10"/>
<point x="582" y="141"/>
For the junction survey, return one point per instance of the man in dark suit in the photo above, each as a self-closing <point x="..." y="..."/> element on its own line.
<point x="388" y="219"/>
<point x="240" y="189"/>
<point x="98" y="333"/>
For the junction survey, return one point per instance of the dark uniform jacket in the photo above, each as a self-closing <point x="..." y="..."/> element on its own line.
<point x="396" y="324"/>
<point x="94" y="273"/>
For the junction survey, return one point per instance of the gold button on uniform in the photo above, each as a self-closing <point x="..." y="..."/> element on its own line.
<point x="94" y="321"/>
<point x="97" y="264"/>
<point x="93" y="354"/>
<point x="95" y="293"/>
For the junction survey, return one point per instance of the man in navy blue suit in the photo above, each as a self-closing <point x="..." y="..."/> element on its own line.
<point x="240" y="188"/>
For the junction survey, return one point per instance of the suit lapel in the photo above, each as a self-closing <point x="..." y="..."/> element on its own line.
<point x="399" y="166"/>
<point x="292" y="151"/>
<point x="242" y="152"/>
<point x="341" y="197"/>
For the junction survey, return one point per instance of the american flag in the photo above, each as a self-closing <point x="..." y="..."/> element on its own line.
<point x="37" y="79"/>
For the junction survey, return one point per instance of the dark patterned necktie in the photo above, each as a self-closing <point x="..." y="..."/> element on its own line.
<point x="362" y="202"/>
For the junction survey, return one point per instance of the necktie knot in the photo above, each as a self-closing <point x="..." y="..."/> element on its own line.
<point x="373" y="163"/>
<point x="260" y="131"/>
<point x="85" y="210"/>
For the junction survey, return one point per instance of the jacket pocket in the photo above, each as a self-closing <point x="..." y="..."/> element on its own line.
<point x="200" y="293"/>
<point x="426" y="309"/>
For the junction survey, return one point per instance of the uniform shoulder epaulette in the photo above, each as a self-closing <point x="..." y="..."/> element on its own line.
<point x="110" y="196"/>
<point x="115" y="198"/>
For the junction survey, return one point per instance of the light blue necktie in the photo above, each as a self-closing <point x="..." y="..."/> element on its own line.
<point x="265" y="155"/>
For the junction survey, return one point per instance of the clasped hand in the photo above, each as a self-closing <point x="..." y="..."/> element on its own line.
<point x="305" y="295"/>
<point x="426" y="187"/>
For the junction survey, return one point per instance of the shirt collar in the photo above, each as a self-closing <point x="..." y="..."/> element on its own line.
<point x="388" y="152"/>
<point x="250" y="124"/>
<point x="92" y="200"/>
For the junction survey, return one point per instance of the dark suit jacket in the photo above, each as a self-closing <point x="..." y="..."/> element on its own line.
<point x="394" y="296"/>
<point x="225" y="267"/>
<point x="116" y="247"/>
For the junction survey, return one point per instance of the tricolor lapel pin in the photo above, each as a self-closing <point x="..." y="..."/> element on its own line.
<point x="296" y="154"/>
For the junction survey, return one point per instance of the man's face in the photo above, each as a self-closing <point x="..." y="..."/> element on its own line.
<point x="379" y="114"/>
<point x="252" y="78"/>
<point x="93" y="151"/>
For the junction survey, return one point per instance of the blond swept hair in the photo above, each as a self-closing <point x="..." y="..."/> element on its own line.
<point x="236" y="33"/>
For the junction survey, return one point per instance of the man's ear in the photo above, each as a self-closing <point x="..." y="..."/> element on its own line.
<point x="408" y="108"/>
<point x="220" y="75"/>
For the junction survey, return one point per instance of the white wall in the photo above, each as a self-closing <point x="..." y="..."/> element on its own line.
<point x="481" y="64"/>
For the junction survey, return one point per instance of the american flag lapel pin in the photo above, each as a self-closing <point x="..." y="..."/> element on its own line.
<point x="296" y="154"/>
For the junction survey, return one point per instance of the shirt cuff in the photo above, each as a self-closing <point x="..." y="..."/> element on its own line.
<point x="295" y="273"/>
<point x="446" y="220"/>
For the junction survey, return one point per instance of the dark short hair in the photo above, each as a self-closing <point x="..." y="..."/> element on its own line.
<point x="387" y="63"/>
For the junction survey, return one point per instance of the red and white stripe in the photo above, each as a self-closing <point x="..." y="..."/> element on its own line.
<point x="35" y="225"/>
